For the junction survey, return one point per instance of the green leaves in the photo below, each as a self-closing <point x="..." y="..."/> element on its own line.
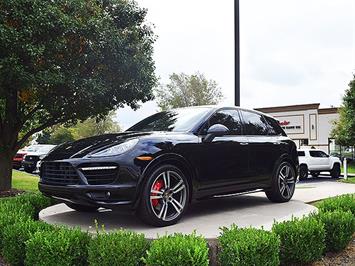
<point x="117" y="248"/>
<point x="344" y="129"/>
<point x="302" y="240"/>
<point x="188" y="90"/>
<point x="178" y="249"/>
<point x="63" y="61"/>
<point x="248" y="246"/>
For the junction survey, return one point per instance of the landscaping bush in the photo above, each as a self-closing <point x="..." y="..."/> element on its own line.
<point x="339" y="228"/>
<point x="118" y="248"/>
<point x="16" y="235"/>
<point x="344" y="203"/>
<point x="63" y="247"/>
<point x="302" y="240"/>
<point x="178" y="249"/>
<point x="36" y="199"/>
<point x="248" y="247"/>
<point x="12" y="212"/>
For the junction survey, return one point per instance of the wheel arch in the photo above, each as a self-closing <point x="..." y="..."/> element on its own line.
<point x="174" y="159"/>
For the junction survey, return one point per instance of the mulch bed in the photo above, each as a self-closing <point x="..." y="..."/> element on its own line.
<point x="11" y="193"/>
<point x="344" y="258"/>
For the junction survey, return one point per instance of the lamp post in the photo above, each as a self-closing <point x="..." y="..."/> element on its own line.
<point x="236" y="54"/>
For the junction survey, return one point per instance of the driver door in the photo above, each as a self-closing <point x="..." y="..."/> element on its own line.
<point x="224" y="162"/>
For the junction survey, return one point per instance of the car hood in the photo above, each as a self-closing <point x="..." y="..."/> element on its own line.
<point x="83" y="147"/>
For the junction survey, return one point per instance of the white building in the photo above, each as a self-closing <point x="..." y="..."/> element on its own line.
<point x="307" y="124"/>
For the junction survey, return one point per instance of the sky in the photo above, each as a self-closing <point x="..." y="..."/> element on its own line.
<point x="292" y="51"/>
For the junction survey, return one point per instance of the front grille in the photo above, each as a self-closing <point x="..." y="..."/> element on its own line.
<point x="60" y="174"/>
<point x="100" y="177"/>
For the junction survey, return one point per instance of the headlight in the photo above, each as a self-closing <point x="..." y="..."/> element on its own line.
<point x="118" y="149"/>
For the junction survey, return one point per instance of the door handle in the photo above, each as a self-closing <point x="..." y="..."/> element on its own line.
<point x="244" y="143"/>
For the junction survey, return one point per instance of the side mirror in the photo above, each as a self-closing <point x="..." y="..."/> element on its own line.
<point x="217" y="130"/>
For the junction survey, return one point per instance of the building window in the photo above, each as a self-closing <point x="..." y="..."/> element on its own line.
<point x="304" y="142"/>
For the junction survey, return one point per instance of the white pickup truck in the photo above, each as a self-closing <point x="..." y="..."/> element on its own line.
<point x="315" y="161"/>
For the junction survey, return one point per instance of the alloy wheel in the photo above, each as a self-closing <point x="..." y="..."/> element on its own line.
<point x="168" y="195"/>
<point x="286" y="181"/>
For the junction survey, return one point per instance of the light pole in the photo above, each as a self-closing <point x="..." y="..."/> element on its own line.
<point x="236" y="54"/>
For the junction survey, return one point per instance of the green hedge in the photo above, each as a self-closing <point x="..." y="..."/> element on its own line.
<point x="12" y="213"/>
<point x="344" y="203"/>
<point x="15" y="236"/>
<point x="65" y="247"/>
<point x="296" y="241"/>
<point x="117" y="248"/>
<point x="302" y="240"/>
<point x="339" y="228"/>
<point x="178" y="249"/>
<point x="248" y="247"/>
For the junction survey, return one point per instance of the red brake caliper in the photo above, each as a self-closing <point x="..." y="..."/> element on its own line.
<point x="159" y="184"/>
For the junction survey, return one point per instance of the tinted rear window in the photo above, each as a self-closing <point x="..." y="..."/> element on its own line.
<point x="301" y="153"/>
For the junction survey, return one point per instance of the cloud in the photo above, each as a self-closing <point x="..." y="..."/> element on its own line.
<point x="294" y="51"/>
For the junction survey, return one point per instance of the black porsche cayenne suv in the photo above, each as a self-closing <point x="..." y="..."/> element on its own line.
<point x="158" y="166"/>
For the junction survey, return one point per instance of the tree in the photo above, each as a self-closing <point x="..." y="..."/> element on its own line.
<point x="188" y="90"/>
<point x="344" y="130"/>
<point x="65" y="61"/>
<point x="90" y="127"/>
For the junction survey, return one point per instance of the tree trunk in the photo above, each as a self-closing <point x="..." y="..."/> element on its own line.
<point x="5" y="171"/>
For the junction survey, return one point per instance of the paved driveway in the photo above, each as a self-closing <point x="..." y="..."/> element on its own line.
<point x="206" y="217"/>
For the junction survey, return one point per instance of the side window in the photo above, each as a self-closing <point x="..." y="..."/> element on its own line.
<point x="301" y="153"/>
<point x="228" y="118"/>
<point x="318" y="154"/>
<point x="255" y="124"/>
<point x="275" y="127"/>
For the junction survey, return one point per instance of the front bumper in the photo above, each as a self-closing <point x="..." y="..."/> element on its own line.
<point x="108" y="196"/>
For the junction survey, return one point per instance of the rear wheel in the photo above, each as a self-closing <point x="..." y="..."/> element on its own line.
<point x="315" y="174"/>
<point x="165" y="196"/>
<point x="283" y="183"/>
<point x="82" y="208"/>
<point x="303" y="172"/>
<point x="335" y="172"/>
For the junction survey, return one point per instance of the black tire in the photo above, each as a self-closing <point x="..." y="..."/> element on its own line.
<point x="164" y="211"/>
<point x="303" y="172"/>
<point x="315" y="174"/>
<point x="82" y="208"/>
<point x="335" y="172"/>
<point x="282" y="189"/>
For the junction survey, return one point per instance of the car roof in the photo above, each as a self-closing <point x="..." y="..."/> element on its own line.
<point x="218" y="107"/>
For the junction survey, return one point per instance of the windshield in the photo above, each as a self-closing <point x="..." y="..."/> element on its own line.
<point x="42" y="149"/>
<point x="177" y="120"/>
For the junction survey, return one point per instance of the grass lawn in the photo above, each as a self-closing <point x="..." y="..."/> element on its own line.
<point x="350" y="180"/>
<point x="24" y="181"/>
<point x="351" y="168"/>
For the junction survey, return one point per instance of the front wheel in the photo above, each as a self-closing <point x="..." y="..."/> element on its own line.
<point x="335" y="172"/>
<point x="283" y="183"/>
<point x="165" y="196"/>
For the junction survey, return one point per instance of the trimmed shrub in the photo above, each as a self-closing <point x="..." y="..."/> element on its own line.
<point x="302" y="240"/>
<point x="118" y="248"/>
<point x="344" y="203"/>
<point x="178" y="249"/>
<point x="35" y="199"/>
<point x="339" y="228"/>
<point x="16" y="235"/>
<point x="12" y="212"/>
<point x="63" y="247"/>
<point x="248" y="247"/>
